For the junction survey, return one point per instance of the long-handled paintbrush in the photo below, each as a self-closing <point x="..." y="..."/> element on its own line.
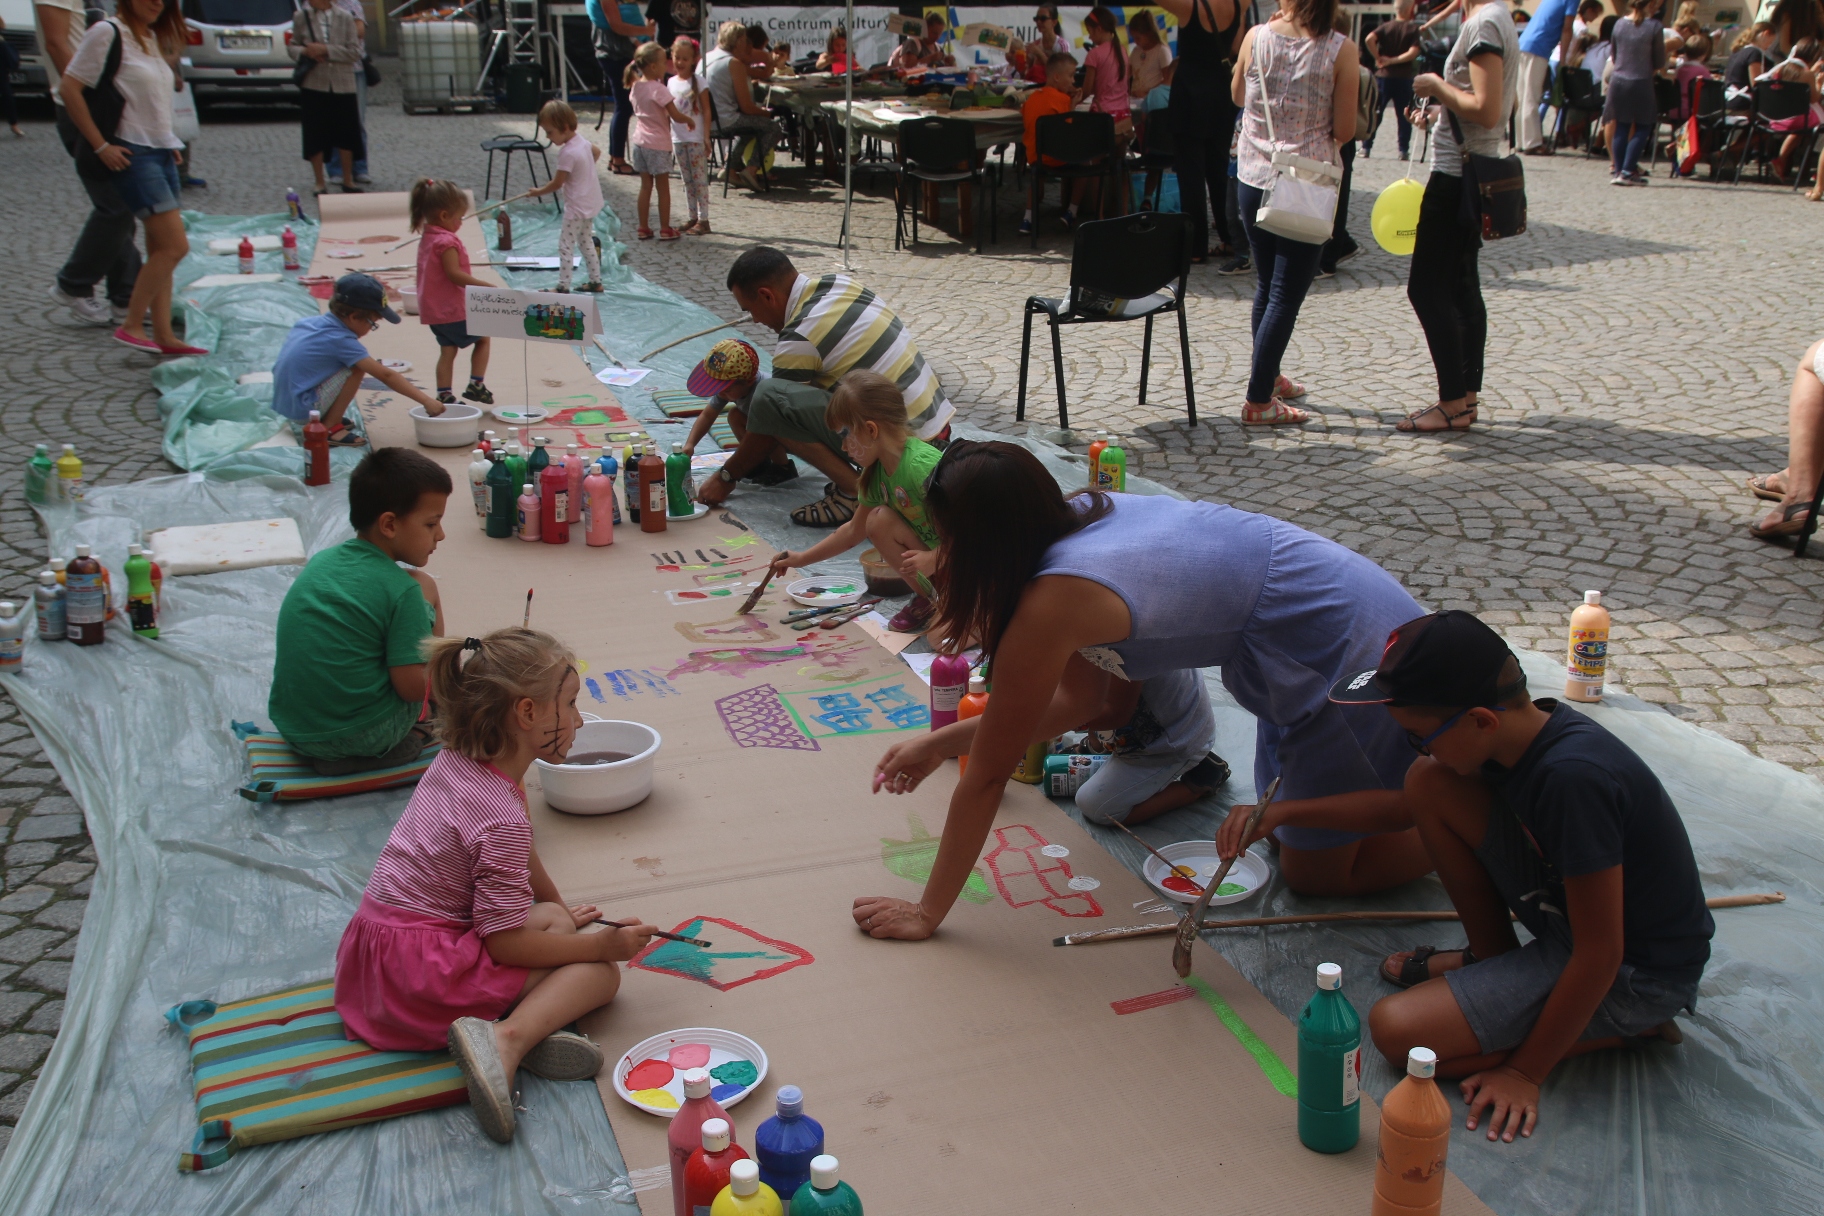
<point x="753" y="597"/>
<point x="1319" y="918"/>
<point x="1170" y="865"/>
<point x="1187" y="928"/>
<point x="843" y="618"/>
<point x="670" y="937"/>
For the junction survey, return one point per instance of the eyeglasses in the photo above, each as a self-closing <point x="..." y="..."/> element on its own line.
<point x="1041" y="20"/>
<point x="1422" y="745"/>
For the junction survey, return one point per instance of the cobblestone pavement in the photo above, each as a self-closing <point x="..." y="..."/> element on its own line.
<point x="1642" y="344"/>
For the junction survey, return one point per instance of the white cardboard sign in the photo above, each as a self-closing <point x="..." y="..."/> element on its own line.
<point x="531" y="316"/>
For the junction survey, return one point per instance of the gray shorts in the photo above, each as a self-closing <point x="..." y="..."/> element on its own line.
<point x="1502" y="997"/>
<point x="1124" y="782"/>
<point x="785" y="409"/>
<point x="649" y="161"/>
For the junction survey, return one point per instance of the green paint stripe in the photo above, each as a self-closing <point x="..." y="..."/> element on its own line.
<point x="1277" y="1073"/>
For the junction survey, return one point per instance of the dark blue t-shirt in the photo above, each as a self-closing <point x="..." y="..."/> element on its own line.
<point x="1588" y="803"/>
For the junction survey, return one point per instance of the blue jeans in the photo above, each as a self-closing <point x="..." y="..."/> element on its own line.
<point x="1283" y="272"/>
<point x="1630" y="142"/>
<point x="1396" y="90"/>
<point x="614" y="72"/>
<point x="149" y="185"/>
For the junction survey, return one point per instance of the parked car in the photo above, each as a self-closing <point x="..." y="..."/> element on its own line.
<point x="32" y="75"/>
<point x="237" y="49"/>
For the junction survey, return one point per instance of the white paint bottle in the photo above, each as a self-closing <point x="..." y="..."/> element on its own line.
<point x="13" y="624"/>
<point x="1587" y="654"/>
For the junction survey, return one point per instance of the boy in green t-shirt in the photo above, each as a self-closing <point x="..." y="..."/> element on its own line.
<point x="869" y="414"/>
<point x="348" y="682"/>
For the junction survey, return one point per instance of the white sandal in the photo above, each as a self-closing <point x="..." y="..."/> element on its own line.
<point x="1273" y="413"/>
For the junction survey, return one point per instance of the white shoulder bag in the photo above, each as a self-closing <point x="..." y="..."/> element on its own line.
<point x="1300" y="204"/>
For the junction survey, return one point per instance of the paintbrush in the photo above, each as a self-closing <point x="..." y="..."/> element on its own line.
<point x="806" y="614"/>
<point x="753" y="596"/>
<point x="670" y="937"/>
<point x="843" y="618"/>
<point x="740" y="320"/>
<point x="526" y="622"/>
<point x="1187" y="928"/>
<point x="1170" y="865"/>
<point x="834" y="615"/>
<point x="1318" y="918"/>
<point x="471" y="215"/>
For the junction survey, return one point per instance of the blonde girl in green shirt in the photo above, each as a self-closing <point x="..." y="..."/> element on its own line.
<point x="868" y="411"/>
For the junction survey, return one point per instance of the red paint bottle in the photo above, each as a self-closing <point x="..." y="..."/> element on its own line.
<point x="685" y="1136"/>
<point x="555" y="504"/>
<point x="707" y="1171"/>
<point x="652" y="491"/>
<point x="316" y="451"/>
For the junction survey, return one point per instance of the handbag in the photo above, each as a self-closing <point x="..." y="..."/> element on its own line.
<point x="106" y="105"/>
<point x="370" y="71"/>
<point x="1494" y="190"/>
<point x="305" y="64"/>
<point x="1300" y="203"/>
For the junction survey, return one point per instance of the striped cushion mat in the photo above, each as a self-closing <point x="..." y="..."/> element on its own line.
<point x="278" y="1066"/>
<point x="278" y="774"/>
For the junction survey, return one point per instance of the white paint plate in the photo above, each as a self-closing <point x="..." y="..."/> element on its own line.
<point x="826" y="592"/>
<point x="1249" y="871"/>
<point x="697" y="511"/>
<point x="724" y="1046"/>
<point x="530" y="415"/>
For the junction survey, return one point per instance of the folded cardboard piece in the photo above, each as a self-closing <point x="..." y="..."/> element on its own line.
<point x="982" y="1070"/>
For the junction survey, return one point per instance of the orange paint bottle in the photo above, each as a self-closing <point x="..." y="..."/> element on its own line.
<point x="1415" y="1137"/>
<point x="973" y="705"/>
<point x="1587" y="654"/>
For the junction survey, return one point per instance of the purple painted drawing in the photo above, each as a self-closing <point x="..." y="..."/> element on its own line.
<point x="755" y="717"/>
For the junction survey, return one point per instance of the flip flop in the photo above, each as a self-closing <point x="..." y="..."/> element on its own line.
<point x="490" y="1092"/>
<point x="622" y="168"/>
<point x="1761" y="486"/>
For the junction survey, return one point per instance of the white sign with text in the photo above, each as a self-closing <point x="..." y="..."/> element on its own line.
<point x="531" y="316"/>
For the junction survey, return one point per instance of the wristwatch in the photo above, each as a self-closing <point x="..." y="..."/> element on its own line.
<point x="723" y="474"/>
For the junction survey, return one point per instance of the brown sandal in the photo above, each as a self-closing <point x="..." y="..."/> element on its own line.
<point x="1761" y="486"/>
<point x="1410" y="423"/>
<point x="1795" y="520"/>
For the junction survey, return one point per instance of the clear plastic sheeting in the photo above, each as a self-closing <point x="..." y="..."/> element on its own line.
<point x="1732" y="1120"/>
<point x="202" y="894"/>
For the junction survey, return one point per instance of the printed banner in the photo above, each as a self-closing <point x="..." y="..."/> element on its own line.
<point x="807" y="30"/>
<point x="531" y="316"/>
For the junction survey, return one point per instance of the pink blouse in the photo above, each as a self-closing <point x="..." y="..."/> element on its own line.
<point x="1111" y="79"/>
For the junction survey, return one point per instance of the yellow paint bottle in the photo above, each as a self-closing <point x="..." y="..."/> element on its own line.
<point x="746" y="1195"/>
<point x="1587" y="654"/>
<point x="1032" y="764"/>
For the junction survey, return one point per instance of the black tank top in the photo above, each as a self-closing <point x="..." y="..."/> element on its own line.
<point x="1201" y="87"/>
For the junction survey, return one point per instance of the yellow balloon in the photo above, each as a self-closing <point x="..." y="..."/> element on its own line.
<point x="1395" y="219"/>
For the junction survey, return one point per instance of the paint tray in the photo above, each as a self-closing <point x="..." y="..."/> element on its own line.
<point x="1249" y="871"/>
<point x="692" y="1047"/>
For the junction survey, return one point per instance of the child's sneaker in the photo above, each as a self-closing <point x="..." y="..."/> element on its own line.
<point x="478" y="393"/>
<point x="446" y="396"/>
<point x="595" y="285"/>
<point x="1026" y="226"/>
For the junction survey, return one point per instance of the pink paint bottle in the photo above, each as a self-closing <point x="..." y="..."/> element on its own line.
<point x="598" y="507"/>
<point x="685" y="1136"/>
<point x="577" y="468"/>
<point x="528" y="514"/>
<point x="949" y="681"/>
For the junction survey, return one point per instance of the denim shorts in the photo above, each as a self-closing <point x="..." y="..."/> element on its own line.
<point x="149" y="185"/>
<point x="453" y="333"/>
<point x="1502" y="997"/>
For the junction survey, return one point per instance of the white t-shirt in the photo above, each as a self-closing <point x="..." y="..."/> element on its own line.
<point x="582" y="188"/>
<point x="1489" y="28"/>
<point x="74" y="27"/>
<point x="680" y="97"/>
<point x="145" y="82"/>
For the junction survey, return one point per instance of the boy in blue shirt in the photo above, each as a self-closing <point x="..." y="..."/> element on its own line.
<point x="322" y="363"/>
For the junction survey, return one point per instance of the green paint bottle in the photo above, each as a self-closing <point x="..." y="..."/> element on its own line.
<point x="503" y="498"/>
<point x="142" y="611"/>
<point x="1329" y="1067"/>
<point x="825" y="1194"/>
<point x="40" y="475"/>
<point x="1111" y="469"/>
<point x="677" y="483"/>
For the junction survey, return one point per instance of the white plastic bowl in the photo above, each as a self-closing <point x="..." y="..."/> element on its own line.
<point x="408" y="301"/>
<point x="457" y="427"/>
<point x="600" y="789"/>
<point x="1249" y="871"/>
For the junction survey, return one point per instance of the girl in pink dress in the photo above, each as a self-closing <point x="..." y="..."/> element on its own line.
<point x="460" y="924"/>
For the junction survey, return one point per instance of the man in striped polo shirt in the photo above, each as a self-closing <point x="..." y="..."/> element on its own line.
<point x="827" y="326"/>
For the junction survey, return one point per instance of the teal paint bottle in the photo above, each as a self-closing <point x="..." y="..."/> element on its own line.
<point x="825" y="1194"/>
<point x="1329" y="1067"/>
<point x="503" y="499"/>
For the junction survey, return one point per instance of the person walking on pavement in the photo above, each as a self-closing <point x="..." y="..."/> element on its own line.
<point x="1394" y="47"/>
<point x="104" y="250"/>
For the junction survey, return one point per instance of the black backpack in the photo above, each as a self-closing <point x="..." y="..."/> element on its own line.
<point x="106" y="105"/>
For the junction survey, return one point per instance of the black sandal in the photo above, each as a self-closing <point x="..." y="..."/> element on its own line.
<point x="1416" y="968"/>
<point x="1409" y="425"/>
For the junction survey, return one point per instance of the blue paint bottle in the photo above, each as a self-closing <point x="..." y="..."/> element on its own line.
<point x="785" y="1143"/>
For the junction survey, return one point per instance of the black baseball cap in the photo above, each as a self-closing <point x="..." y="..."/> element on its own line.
<point x="363" y="291"/>
<point x="1448" y="658"/>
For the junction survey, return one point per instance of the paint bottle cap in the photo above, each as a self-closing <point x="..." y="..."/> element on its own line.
<point x="1422" y="1062"/>
<point x="314" y="417"/>
<point x="715" y="1135"/>
<point x="744" y="1178"/>
<point x="7" y="607"/>
<point x="569" y="447"/>
<point x="134" y="550"/>
<point x="789" y="1102"/>
<point x="677" y="449"/>
<point x="697" y="1083"/>
<point x="479" y="454"/>
<point x="70" y="448"/>
<point x="977" y="684"/>
<point x="48" y="577"/>
<point x="1329" y="976"/>
<point x="1592" y="597"/>
<point x="823" y="1172"/>
<point x="58" y="564"/>
<point x="82" y="550"/>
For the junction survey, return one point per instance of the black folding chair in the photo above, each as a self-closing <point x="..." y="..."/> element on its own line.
<point x="722" y="144"/>
<point x="939" y="150"/>
<point x="1774" y="101"/>
<point x="1081" y="145"/>
<point x="507" y="145"/>
<point x="1128" y="269"/>
<point x="1709" y="105"/>
<point x="1158" y="149"/>
<point x="1665" y="104"/>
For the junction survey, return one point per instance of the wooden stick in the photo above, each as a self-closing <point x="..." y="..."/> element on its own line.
<point x="471" y="215"/>
<point x="740" y="320"/>
<point x="1108" y="935"/>
<point x="604" y="345"/>
<point x="1171" y="867"/>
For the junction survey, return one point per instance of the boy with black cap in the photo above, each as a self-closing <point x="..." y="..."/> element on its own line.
<point x="1532" y="807"/>
<point x="322" y="363"/>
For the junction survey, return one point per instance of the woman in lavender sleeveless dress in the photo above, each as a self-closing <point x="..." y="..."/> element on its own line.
<point x="1065" y="595"/>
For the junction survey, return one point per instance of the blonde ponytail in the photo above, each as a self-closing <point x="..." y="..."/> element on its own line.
<point x="475" y="697"/>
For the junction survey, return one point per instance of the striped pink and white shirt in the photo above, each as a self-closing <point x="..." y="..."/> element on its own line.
<point x="462" y="850"/>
